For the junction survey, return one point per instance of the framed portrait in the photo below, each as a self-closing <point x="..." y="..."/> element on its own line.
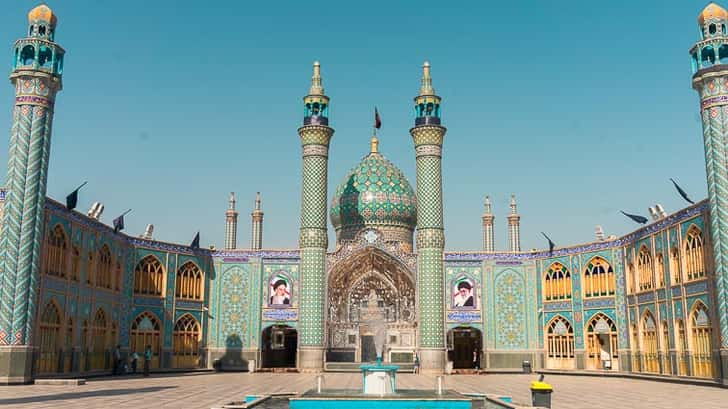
<point x="279" y="290"/>
<point x="463" y="293"/>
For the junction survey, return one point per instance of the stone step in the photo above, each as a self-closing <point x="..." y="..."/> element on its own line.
<point x="354" y="367"/>
<point x="70" y="381"/>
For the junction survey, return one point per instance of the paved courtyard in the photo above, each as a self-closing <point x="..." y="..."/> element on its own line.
<point x="205" y="390"/>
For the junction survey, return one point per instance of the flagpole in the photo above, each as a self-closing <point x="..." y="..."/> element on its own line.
<point x="82" y="185"/>
<point x="126" y="212"/>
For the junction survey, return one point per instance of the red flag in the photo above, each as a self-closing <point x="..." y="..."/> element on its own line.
<point x="377" y="121"/>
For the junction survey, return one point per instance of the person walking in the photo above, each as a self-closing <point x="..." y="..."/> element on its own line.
<point x="116" y="369"/>
<point x="476" y="360"/>
<point x="147" y="359"/>
<point x="417" y="364"/>
<point x="134" y="359"/>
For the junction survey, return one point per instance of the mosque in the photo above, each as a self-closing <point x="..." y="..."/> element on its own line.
<point x="654" y="301"/>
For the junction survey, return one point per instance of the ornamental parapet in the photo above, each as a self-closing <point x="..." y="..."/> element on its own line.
<point x="428" y="135"/>
<point x="315" y="135"/>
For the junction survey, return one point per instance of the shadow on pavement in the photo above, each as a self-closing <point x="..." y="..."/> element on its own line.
<point x="81" y="395"/>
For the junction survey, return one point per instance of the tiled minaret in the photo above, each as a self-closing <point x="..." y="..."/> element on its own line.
<point x="488" y="219"/>
<point x="710" y="79"/>
<point x="315" y="135"/>
<point x="428" y="136"/>
<point x="514" y="227"/>
<point x="37" y="68"/>
<point x="256" y="236"/>
<point x="231" y="224"/>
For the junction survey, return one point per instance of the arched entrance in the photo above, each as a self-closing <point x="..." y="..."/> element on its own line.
<point x="465" y="345"/>
<point x="560" y="344"/>
<point x="370" y="283"/>
<point x="279" y="345"/>
<point x="601" y="338"/>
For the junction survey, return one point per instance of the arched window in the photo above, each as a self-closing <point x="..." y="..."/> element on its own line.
<point x="146" y="330"/>
<point x="190" y="282"/>
<point x="90" y="269"/>
<point x="599" y="278"/>
<point x="560" y="344"/>
<point x="99" y="344"/>
<point x="723" y="53"/>
<point x="694" y="254"/>
<point x="708" y="57"/>
<point x="644" y="268"/>
<point x="660" y="267"/>
<point x="75" y="263"/>
<point x="56" y="254"/>
<point x="649" y="343"/>
<point x="665" y="348"/>
<point x="557" y="283"/>
<point x="601" y="341"/>
<point x="634" y="343"/>
<point x="630" y="278"/>
<point x="149" y="277"/>
<point x="701" y="336"/>
<point x="45" y="57"/>
<point x="675" y="273"/>
<point x="27" y="55"/>
<point x="187" y="337"/>
<point x="50" y="337"/>
<point x="681" y="345"/>
<point x="103" y="272"/>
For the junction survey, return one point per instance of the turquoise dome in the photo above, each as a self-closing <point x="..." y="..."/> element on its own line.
<point x="374" y="194"/>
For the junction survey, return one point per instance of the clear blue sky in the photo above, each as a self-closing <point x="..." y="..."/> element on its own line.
<point x="580" y="110"/>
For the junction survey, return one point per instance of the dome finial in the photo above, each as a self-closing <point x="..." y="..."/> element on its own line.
<point x="426" y="87"/>
<point x="374" y="144"/>
<point x="712" y="12"/>
<point x="42" y="13"/>
<point x="316" y="86"/>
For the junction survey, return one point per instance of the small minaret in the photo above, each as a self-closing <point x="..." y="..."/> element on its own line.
<point x="231" y="224"/>
<point x="256" y="238"/>
<point x="514" y="227"/>
<point x="488" y="219"/>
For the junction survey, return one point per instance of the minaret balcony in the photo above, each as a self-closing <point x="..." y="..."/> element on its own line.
<point x="316" y="120"/>
<point x="427" y="120"/>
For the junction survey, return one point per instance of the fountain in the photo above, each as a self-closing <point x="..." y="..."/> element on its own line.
<point x="378" y="379"/>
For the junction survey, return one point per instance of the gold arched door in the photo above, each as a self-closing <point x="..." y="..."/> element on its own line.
<point x="681" y="346"/>
<point x="99" y="342"/>
<point x="146" y="330"/>
<point x="50" y="336"/>
<point x="601" y="343"/>
<point x="187" y="337"/>
<point x="560" y="344"/>
<point x="648" y="338"/>
<point x="701" y="337"/>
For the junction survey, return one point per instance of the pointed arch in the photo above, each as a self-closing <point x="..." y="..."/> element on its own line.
<point x="56" y="241"/>
<point x="187" y="337"/>
<point x="50" y="337"/>
<point x="146" y="329"/>
<point x="701" y="338"/>
<point x="557" y="282"/>
<point x="648" y="344"/>
<point x="599" y="279"/>
<point x="634" y="342"/>
<point x="660" y="270"/>
<point x="601" y="342"/>
<point x="190" y="282"/>
<point x="694" y="254"/>
<point x="644" y="268"/>
<point x="559" y="344"/>
<point x="103" y="272"/>
<point x="675" y="270"/>
<point x="149" y="277"/>
<point x="99" y="342"/>
<point x="681" y="347"/>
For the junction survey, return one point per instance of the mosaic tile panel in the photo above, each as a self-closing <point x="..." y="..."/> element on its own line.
<point x="510" y="314"/>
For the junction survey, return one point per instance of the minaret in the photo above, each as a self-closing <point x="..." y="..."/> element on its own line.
<point x="428" y="136"/>
<point x="315" y="135"/>
<point x="488" y="219"/>
<point x="710" y="79"/>
<point x="256" y="237"/>
<point x="231" y="224"/>
<point x="37" y="68"/>
<point x="514" y="227"/>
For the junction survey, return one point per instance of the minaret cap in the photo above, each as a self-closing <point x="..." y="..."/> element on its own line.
<point x="257" y="200"/>
<point x="513" y="203"/>
<point x="231" y="202"/>
<point x="42" y="13"/>
<point x="712" y="12"/>
<point x="426" y="87"/>
<point x="487" y="204"/>
<point x="316" y="86"/>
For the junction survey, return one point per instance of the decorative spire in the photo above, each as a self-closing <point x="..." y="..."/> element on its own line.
<point x="426" y="87"/>
<point x="487" y="205"/>
<point x="514" y="227"/>
<point x="488" y="218"/>
<point x="257" y="200"/>
<point x="374" y="144"/>
<point x="316" y="86"/>
<point x="513" y="204"/>
<point x="256" y="234"/>
<point x="231" y="224"/>
<point x="232" y="201"/>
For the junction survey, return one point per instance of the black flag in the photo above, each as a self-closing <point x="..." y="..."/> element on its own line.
<point x="682" y="192"/>
<point x="636" y="218"/>
<point x="119" y="224"/>
<point x="72" y="198"/>
<point x="196" y="241"/>
<point x="377" y="120"/>
<point x="551" y="243"/>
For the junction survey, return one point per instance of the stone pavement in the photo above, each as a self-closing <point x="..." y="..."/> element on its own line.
<point x="205" y="390"/>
